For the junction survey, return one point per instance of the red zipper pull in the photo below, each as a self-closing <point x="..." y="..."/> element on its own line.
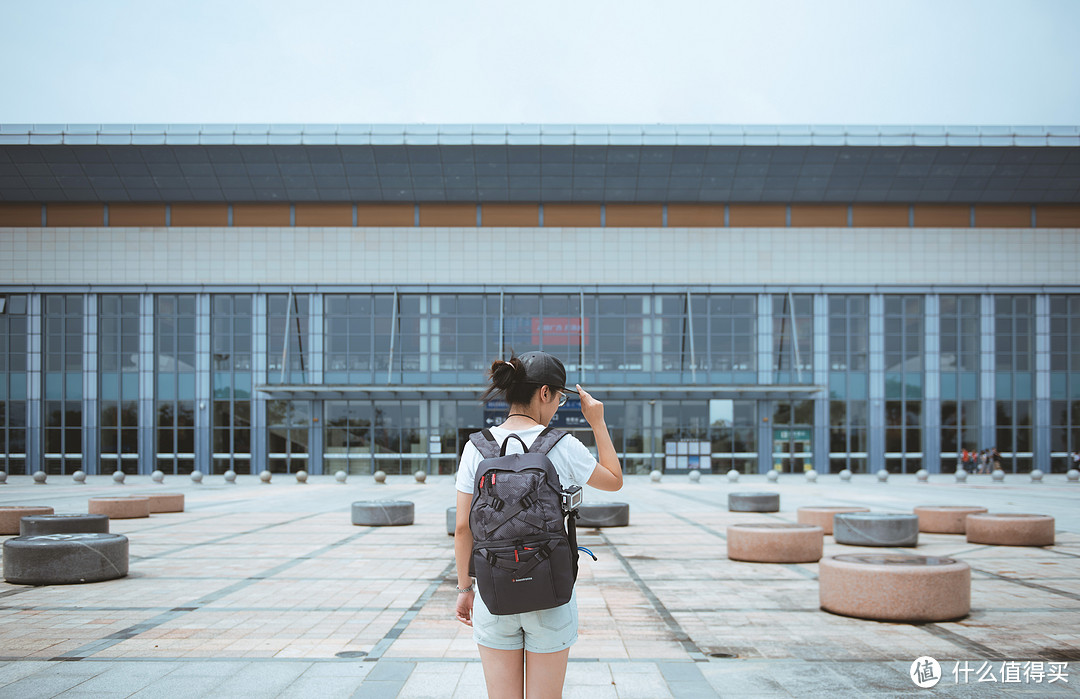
<point x="482" y="482"/>
<point x="516" y="559"/>
<point x="493" y="479"/>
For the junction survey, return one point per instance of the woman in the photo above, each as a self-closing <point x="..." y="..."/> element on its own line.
<point x="527" y="653"/>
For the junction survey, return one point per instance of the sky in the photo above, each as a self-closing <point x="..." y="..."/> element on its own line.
<point x="919" y="62"/>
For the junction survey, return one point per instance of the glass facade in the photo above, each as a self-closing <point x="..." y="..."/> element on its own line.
<point x="388" y="379"/>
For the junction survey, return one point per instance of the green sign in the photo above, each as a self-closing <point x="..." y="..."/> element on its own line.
<point x="793" y="435"/>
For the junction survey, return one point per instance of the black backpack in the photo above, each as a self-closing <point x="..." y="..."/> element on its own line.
<point x="524" y="559"/>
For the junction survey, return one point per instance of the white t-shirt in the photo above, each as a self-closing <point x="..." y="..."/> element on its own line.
<point x="573" y="461"/>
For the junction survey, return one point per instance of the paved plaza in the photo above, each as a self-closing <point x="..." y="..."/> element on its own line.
<point x="269" y="591"/>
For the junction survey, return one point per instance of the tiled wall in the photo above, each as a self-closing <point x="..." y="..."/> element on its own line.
<point x="574" y="256"/>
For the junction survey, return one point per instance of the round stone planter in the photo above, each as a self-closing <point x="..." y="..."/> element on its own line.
<point x="876" y="529"/>
<point x="131" y="507"/>
<point x="823" y="516"/>
<point x="11" y="514"/>
<point x="895" y="587"/>
<point x="38" y="525"/>
<point x="65" y="559"/>
<point x="944" y="519"/>
<point x="166" y="502"/>
<point x="775" y="543"/>
<point x="382" y="513"/>
<point x="451" y="521"/>
<point x="1010" y="529"/>
<point x="595" y="515"/>
<point x="753" y="502"/>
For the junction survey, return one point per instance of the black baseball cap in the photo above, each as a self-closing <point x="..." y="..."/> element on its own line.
<point x="545" y="369"/>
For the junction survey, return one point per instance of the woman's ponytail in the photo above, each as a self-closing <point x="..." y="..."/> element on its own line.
<point x="504" y="375"/>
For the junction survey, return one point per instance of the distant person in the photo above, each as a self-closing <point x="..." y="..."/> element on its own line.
<point x="528" y="652"/>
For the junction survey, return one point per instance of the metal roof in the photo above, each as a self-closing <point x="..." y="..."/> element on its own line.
<point x="538" y="163"/>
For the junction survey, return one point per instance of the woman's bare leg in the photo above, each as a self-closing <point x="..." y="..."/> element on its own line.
<point x="504" y="672"/>
<point x="545" y="674"/>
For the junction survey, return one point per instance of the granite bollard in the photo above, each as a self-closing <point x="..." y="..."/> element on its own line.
<point x="944" y="519"/>
<point x="10" y="515"/>
<point x="1008" y="529"/>
<point x="65" y="559"/>
<point x="595" y="515"/>
<point x="895" y="587"/>
<point x="876" y="529"/>
<point x="753" y="502"/>
<point x="822" y="515"/>
<point x="774" y="542"/>
<point x="37" y="525"/>
<point x="383" y="513"/>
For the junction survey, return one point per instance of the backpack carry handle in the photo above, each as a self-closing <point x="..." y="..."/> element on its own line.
<point x="502" y="452"/>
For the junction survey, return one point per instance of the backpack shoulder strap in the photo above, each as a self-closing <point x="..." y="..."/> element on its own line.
<point x="485" y="443"/>
<point x="547" y="440"/>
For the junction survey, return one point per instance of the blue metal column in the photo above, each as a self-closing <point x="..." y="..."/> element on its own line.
<point x="314" y="359"/>
<point x="1042" y="384"/>
<point x="204" y="455"/>
<point x="931" y="406"/>
<point x="91" y="433"/>
<point x="764" y="376"/>
<point x="820" y="348"/>
<point x="260" y="442"/>
<point x="876" y="388"/>
<point x="987" y="385"/>
<point x="147" y="367"/>
<point x="35" y="405"/>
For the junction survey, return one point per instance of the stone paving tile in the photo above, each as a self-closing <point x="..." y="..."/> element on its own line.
<point x="256" y="589"/>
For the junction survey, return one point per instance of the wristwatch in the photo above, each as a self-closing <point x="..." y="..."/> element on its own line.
<point x="462" y="590"/>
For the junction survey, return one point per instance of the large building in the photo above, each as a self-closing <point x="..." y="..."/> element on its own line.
<point x="328" y="298"/>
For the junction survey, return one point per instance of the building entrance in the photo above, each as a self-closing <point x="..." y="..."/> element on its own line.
<point x="792" y="450"/>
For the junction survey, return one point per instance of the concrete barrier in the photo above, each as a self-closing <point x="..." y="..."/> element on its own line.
<point x="775" y="542"/>
<point x="38" y="525"/>
<point x="895" y="587"/>
<point x="944" y="519"/>
<point x="65" y="559"/>
<point x="166" y="502"/>
<point x="753" y="502"/>
<point x="1010" y="529"/>
<point x="876" y="529"/>
<point x="383" y="513"/>
<point x="603" y="514"/>
<point x="822" y="516"/>
<point x="130" y="507"/>
<point x="11" y="514"/>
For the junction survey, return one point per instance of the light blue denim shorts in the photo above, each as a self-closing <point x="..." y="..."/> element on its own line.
<point x="545" y="631"/>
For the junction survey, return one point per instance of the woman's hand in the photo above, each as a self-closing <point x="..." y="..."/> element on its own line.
<point x="464" y="607"/>
<point x="591" y="409"/>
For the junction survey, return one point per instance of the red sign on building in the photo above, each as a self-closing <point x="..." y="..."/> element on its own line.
<point x="560" y="331"/>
